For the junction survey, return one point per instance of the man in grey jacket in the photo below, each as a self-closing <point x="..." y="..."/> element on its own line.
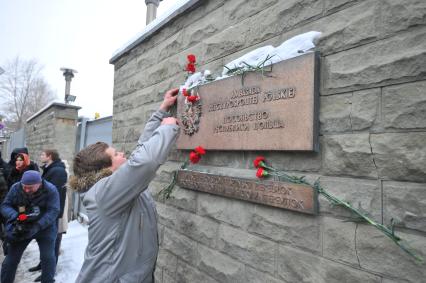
<point x="123" y="243"/>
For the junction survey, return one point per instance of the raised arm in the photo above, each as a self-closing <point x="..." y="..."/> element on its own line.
<point x="116" y="192"/>
<point x="156" y="118"/>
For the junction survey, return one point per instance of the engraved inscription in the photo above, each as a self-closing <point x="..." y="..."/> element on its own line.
<point x="278" y="194"/>
<point x="274" y="112"/>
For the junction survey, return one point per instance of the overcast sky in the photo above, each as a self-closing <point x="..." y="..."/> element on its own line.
<point x="78" y="34"/>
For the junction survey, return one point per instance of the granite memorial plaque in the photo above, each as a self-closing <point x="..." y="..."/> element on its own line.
<point x="296" y="197"/>
<point x="276" y="110"/>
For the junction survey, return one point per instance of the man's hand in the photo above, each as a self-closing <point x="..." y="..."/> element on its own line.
<point x="169" y="121"/>
<point x="169" y="99"/>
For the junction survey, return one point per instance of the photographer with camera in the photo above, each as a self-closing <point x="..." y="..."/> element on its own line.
<point x="30" y="208"/>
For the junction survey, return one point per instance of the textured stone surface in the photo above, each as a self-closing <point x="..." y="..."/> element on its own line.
<point x="378" y="253"/>
<point x="349" y="112"/>
<point x="298" y="266"/>
<point x="249" y="249"/>
<point x="348" y="155"/>
<point x="196" y="227"/>
<point x="167" y="261"/>
<point x="219" y="266"/>
<point x="362" y="194"/>
<point x="404" y="106"/>
<point x="187" y="273"/>
<point x="365" y="21"/>
<point x="339" y="240"/>
<point x="234" y="212"/>
<point x="255" y="276"/>
<point x="397" y="58"/>
<point x="179" y="245"/>
<point x="406" y="203"/>
<point x="400" y="156"/>
<point x="282" y="226"/>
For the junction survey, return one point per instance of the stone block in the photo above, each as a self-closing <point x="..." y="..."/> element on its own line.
<point x="298" y="266"/>
<point x="288" y="227"/>
<point x="187" y="273"/>
<point x="335" y="113"/>
<point x="360" y="22"/>
<point x="377" y="253"/>
<point x="333" y="5"/>
<point x="404" y="106"/>
<point x="191" y="225"/>
<point x="167" y="261"/>
<point x="395" y="59"/>
<point x="247" y="248"/>
<point x="406" y="203"/>
<point x="179" y="245"/>
<point x="169" y="278"/>
<point x="349" y="112"/>
<point x="363" y="194"/>
<point x="348" y="154"/>
<point x="400" y="156"/>
<point x="339" y="240"/>
<point x="158" y="275"/>
<point x="234" y="212"/>
<point x="255" y="276"/>
<point x="219" y="266"/>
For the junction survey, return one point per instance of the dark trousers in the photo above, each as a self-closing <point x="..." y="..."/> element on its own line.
<point x="46" y="243"/>
<point x="58" y="245"/>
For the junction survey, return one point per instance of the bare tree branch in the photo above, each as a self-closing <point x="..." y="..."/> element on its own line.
<point x="23" y="92"/>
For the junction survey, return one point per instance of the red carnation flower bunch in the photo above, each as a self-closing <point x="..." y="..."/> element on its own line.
<point x="22" y="217"/>
<point x="191" y="95"/>
<point x="259" y="163"/>
<point x="194" y="157"/>
<point x="190" y="66"/>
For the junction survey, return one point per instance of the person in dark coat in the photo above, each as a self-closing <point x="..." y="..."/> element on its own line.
<point x="55" y="173"/>
<point x="30" y="208"/>
<point x="3" y="178"/>
<point x="22" y="164"/>
<point x="3" y="191"/>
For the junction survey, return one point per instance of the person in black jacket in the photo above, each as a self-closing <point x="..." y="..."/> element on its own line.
<point x="30" y="208"/>
<point x="55" y="173"/>
<point x="3" y="191"/>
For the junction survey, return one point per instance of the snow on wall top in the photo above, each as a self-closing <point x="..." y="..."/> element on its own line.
<point x="178" y="8"/>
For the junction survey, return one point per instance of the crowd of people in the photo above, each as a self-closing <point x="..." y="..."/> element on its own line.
<point x="123" y="240"/>
<point x="32" y="208"/>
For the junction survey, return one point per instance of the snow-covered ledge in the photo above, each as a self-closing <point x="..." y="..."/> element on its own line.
<point x="178" y="8"/>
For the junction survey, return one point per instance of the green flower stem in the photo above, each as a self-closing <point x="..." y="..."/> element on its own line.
<point x="167" y="190"/>
<point x="388" y="232"/>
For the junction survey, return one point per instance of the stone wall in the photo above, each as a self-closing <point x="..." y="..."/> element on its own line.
<point x="372" y="143"/>
<point x="54" y="127"/>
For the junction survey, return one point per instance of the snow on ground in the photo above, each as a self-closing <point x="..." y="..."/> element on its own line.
<point x="73" y="245"/>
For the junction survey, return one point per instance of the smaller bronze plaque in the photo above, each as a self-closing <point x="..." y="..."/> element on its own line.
<point x="296" y="197"/>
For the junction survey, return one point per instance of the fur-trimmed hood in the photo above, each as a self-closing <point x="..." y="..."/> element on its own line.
<point x="83" y="183"/>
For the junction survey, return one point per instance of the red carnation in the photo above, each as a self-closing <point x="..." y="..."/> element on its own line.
<point x="261" y="173"/>
<point x="191" y="58"/>
<point x="22" y="217"/>
<point x="200" y="150"/>
<point x="190" y="68"/>
<point x="259" y="161"/>
<point x="192" y="98"/>
<point x="184" y="92"/>
<point x="194" y="157"/>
